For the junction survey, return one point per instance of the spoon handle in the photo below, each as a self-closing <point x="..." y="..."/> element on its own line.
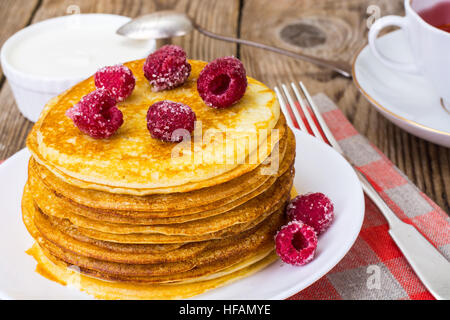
<point x="341" y="67"/>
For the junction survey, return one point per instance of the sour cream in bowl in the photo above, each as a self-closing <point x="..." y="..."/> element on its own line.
<point x="46" y="58"/>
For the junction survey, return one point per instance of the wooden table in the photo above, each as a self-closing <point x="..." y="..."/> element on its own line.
<point x="326" y="28"/>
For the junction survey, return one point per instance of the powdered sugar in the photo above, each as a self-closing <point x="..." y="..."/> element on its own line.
<point x="296" y="243"/>
<point x="165" y="117"/>
<point x="314" y="209"/>
<point x="96" y="114"/>
<point x="118" y="80"/>
<point x="167" y="68"/>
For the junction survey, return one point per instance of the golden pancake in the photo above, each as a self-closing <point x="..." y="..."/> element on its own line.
<point x="247" y="212"/>
<point x="210" y="262"/>
<point x="210" y="271"/>
<point x="53" y="206"/>
<point x="218" y="256"/>
<point x="131" y="159"/>
<point x="149" y="238"/>
<point x="113" y="290"/>
<point x="269" y="147"/>
<point x="137" y="254"/>
<point x="49" y="199"/>
<point x="133" y="217"/>
<point x="57" y="206"/>
<point x="117" y="252"/>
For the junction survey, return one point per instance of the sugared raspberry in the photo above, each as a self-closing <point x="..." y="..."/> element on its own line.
<point x="296" y="243"/>
<point x="222" y="82"/>
<point x="314" y="209"/>
<point x="118" y="80"/>
<point x="167" y="68"/>
<point x="164" y="117"/>
<point x="96" y="114"/>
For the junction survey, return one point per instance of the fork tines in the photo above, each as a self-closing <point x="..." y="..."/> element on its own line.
<point x="309" y="119"/>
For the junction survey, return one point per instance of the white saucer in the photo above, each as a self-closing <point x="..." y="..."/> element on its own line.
<point x="318" y="168"/>
<point x="408" y="100"/>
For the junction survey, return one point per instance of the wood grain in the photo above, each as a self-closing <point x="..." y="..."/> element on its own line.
<point x="326" y="28"/>
<point x="17" y="15"/>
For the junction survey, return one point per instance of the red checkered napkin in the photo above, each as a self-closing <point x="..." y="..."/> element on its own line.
<point x="375" y="268"/>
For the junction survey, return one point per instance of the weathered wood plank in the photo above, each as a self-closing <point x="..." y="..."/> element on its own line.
<point x="216" y="16"/>
<point x="14" y="15"/>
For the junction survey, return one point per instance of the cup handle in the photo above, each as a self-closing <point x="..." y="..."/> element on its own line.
<point x="379" y="25"/>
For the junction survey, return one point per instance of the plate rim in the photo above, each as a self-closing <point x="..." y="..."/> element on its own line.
<point x="380" y="107"/>
<point x="324" y="267"/>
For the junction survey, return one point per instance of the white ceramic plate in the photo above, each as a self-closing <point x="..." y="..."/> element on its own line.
<point x="318" y="168"/>
<point x="408" y="100"/>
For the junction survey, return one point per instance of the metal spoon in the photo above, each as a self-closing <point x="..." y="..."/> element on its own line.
<point x="167" y="24"/>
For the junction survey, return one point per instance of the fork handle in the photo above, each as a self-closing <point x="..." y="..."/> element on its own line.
<point x="428" y="263"/>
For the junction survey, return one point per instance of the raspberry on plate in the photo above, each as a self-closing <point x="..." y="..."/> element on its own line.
<point x="167" y="68"/>
<point x="222" y="82"/>
<point x="314" y="209"/>
<point x="118" y="80"/>
<point x="96" y="114"/>
<point x="296" y="243"/>
<point x="165" y="118"/>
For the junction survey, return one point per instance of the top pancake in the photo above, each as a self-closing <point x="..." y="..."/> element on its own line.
<point x="132" y="159"/>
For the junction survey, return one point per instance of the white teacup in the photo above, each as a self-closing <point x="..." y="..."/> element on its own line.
<point x="430" y="46"/>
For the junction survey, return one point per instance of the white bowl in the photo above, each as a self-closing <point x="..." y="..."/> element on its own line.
<point x="33" y="91"/>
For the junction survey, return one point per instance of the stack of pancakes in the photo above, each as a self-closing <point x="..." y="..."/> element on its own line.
<point x="135" y="217"/>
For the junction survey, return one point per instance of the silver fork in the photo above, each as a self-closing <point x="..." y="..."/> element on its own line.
<point x="431" y="267"/>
